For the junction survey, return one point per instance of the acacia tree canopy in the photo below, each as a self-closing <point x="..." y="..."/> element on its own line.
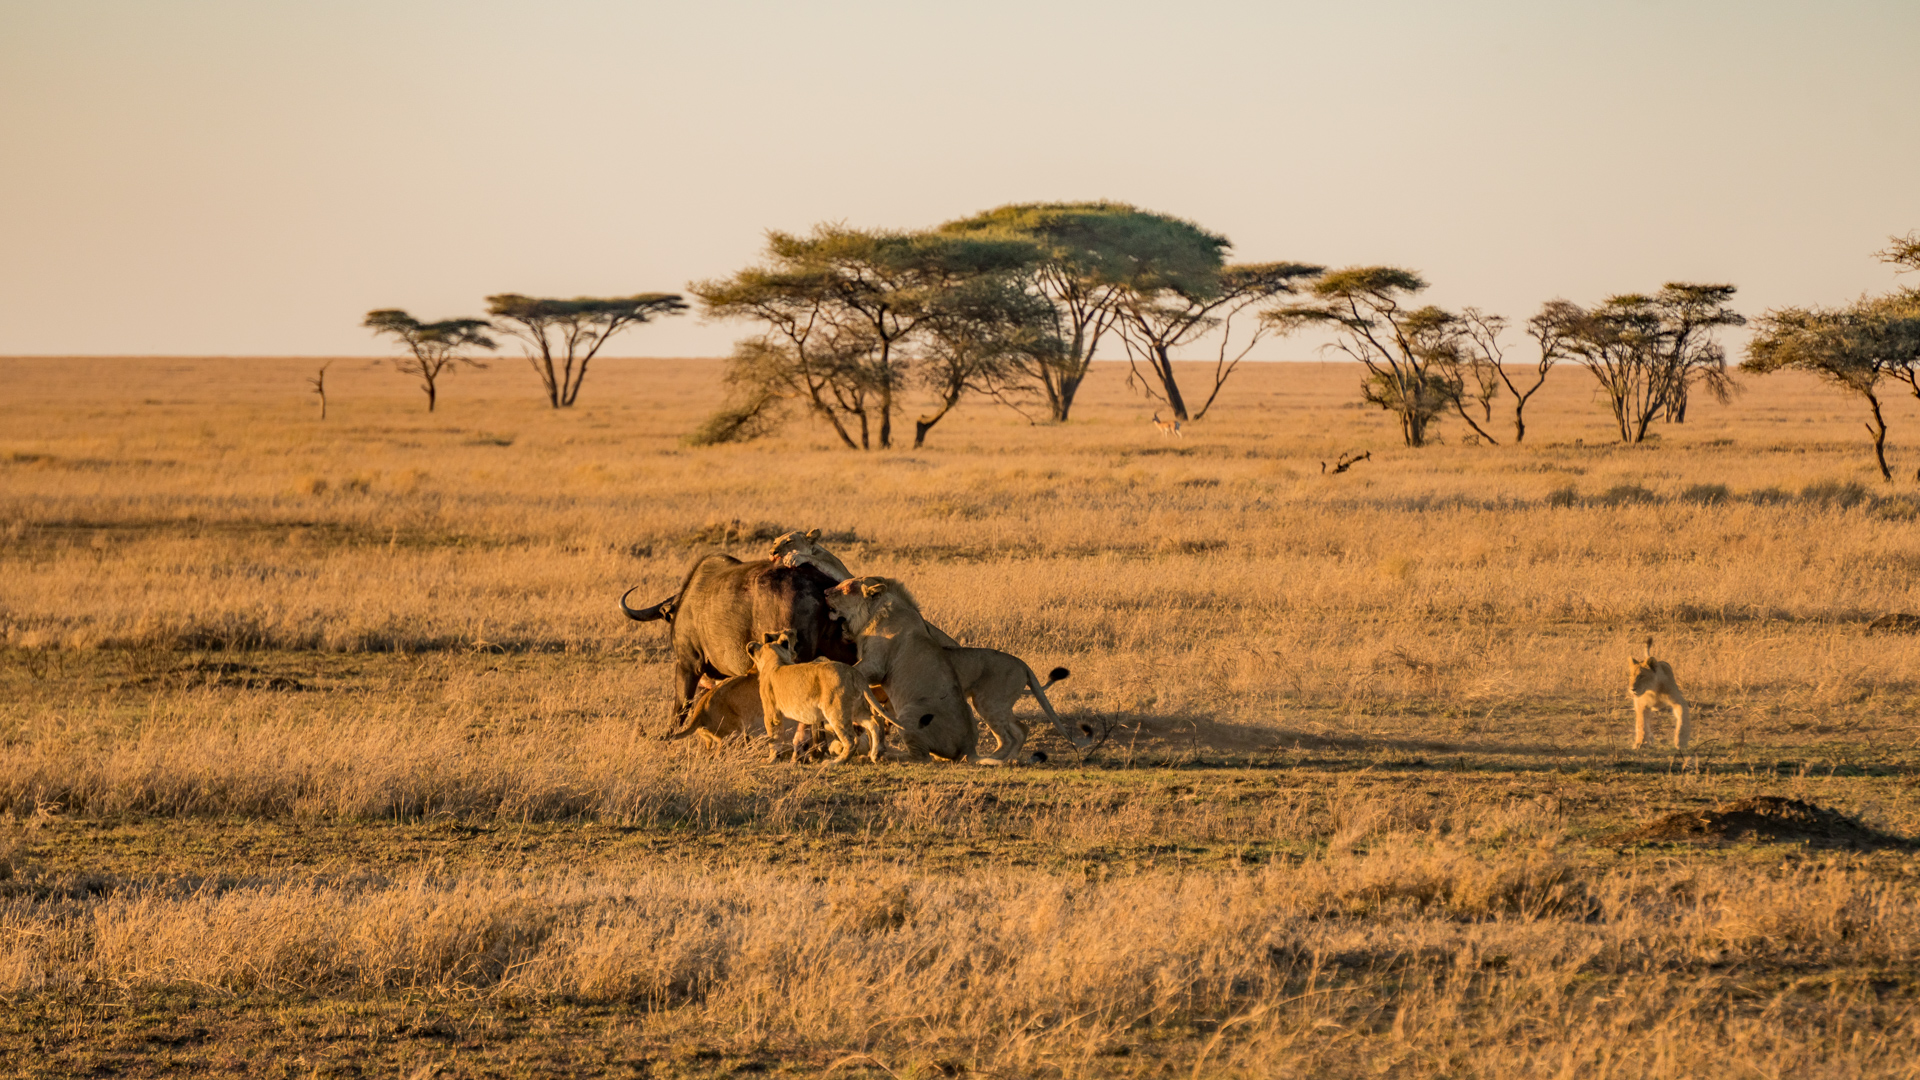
<point x="1089" y="255"/>
<point x="984" y="334"/>
<point x="563" y="336"/>
<point x="842" y="307"/>
<point x="1406" y="351"/>
<point x="1648" y="351"/>
<point x="1854" y="348"/>
<point x="1902" y="251"/>
<point x="432" y="348"/>
<point x="1160" y="313"/>
<point x="800" y="355"/>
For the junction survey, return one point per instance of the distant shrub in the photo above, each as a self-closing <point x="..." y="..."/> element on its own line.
<point x="1564" y="495"/>
<point x="1706" y="494"/>
<point x="1903" y="507"/>
<point x="1768" y="496"/>
<point x="1625" y="495"/>
<point x="1172" y="546"/>
<point x="1834" y="493"/>
<point x="739" y="422"/>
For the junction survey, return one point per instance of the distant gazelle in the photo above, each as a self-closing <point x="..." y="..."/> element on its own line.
<point x="1651" y="684"/>
<point x="1167" y="427"/>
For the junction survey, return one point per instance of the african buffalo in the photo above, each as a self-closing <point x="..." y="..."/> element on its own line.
<point x="725" y="603"/>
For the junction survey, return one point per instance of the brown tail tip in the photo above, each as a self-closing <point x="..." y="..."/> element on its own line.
<point x="1056" y="675"/>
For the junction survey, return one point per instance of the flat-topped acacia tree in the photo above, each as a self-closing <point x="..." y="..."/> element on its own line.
<point x="563" y="336"/>
<point x="1648" y="351"/>
<point x="1411" y="354"/>
<point x="983" y="333"/>
<point x="841" y="308"/>
<point x="1854" y="348"/>
<point x="1089" y="253"/>
<point x="432" y="348"/>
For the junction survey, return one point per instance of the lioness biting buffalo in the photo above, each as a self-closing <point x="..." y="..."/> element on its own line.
<point x="729" y="616"/>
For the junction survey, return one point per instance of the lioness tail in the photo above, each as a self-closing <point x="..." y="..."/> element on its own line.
<point x="1040" y="695"/>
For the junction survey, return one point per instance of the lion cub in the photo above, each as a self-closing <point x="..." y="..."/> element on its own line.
<point x="727" y="708"/>
<point x="821" y="693"/>
<point x="1652" y="685"/>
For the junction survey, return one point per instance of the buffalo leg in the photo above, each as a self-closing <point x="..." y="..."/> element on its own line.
<point x="688" y="672"/>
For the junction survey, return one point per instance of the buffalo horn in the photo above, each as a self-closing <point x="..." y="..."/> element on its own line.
<point x="662" y="610"/>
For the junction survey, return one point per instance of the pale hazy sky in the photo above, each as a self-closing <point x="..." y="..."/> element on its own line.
<point x="251" y="176"/>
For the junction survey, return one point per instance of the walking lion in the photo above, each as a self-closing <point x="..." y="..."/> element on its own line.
<point x="1651" y="684"/>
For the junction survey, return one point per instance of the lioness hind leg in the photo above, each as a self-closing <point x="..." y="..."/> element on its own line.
<point x="876" y="730"/>
<point x="875" y="725"/>
<point x="993" y="701"/>
<point x="1009" y="733"/>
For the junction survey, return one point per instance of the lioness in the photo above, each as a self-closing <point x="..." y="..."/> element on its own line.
<point x="899" y="651"/>
<point x="726" y="708"/>
<point x="821" y="693"/>
<point x="1651" y="684"/>
<point x="993" y="681"/>
<point x="796" y="549"/>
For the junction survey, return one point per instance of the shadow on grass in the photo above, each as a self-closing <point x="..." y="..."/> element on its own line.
<point x="1193" y="740"/>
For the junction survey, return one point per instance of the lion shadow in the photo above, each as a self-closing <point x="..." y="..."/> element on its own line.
<point x="1196" y="740"/>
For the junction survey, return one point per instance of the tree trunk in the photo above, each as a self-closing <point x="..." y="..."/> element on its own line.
<point x="1163" y="366"/>
<point x="1477" y="429"/>
<point x="1519" y="422"/>
<point x="925" y="423"/>
<point x="886" y="415"/>
<point x="1879" y="430"/>
<point x="430" y="395"/>
<point x="839" y="429"/>
<point x="572" y="392"/>
<point x="821" y="406"/>
<point x="1063" y="404"/>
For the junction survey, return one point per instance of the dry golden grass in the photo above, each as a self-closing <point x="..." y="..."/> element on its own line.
<point x="298" y="717"/>
<point x="1425" y="959"/>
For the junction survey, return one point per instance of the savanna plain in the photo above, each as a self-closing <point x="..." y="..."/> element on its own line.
<point x="325" y="750"/>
